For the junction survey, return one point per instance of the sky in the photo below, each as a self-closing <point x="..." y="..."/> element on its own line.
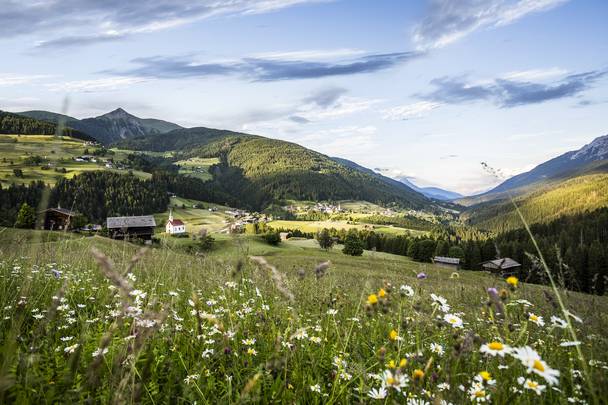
<point x="424" y="90"/>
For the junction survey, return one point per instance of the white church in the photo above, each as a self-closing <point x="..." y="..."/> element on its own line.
<point x="175" y="226"/>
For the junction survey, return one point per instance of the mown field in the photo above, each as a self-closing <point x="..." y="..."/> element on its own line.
<point x="249" y="322"/>
<point x="14" y="150"/>
<point x="315" y="226"/>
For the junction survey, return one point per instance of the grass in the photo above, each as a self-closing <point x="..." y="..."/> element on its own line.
<point x="56" y="151"/>
<point x="197" y="167"/>
<point x="315" y="226"/>
<point x="164" y="326"/>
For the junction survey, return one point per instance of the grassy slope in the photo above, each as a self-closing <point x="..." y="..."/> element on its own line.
<point x="51" y="148"/>
<point x="584" y="193"/>
<point x="176" y="354"/>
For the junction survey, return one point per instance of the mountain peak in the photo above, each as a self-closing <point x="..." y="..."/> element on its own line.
<point x="596" y="150"/>
<point x="118" y="113"/>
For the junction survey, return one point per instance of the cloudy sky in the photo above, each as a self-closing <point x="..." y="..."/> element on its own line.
<point x="423" y="89"/>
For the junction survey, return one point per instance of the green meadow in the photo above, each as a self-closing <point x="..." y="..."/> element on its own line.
<point x="88" y="319"/>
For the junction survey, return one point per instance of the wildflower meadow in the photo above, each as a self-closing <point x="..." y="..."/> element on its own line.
<point x="98" y="321"/>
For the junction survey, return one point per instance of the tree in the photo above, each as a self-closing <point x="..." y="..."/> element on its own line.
<point x="26" y="217"/>
<point x="205" y="243"/>
<point x="442" y="248"/>
<point x="272" y="238"/>
<point x="352" y="244"/>
<point x="456" y="251"/>
<point x="324" y="239"/>
<point x="426" y="250"/>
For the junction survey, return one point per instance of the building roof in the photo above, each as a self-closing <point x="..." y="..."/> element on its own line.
<point x="131" y="222"/>
<point x="502" y="264"/>
<point x="175" y="222"/>
<point x="447" y="260"/>
<point x="63" y="211"/>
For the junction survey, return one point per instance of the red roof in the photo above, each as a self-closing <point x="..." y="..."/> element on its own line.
<point x="176" y="222"/>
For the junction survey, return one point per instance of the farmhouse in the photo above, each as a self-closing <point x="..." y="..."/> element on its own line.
<point x="449" y="262"/>
<point x="501" y="266"/>
<point x="57" y="218"/>
<point x="141" y="227"/>
<point x="175" y="226"/>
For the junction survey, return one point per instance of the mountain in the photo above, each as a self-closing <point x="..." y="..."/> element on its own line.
<point x="591" y="158"/>
<point x="17" y="124"/>
<point x="279" y="170"/>
<point x="547" y="202"/>
<point x="432" y="192"/>
<point x="572" y="183"/>
<point x="108" y="128"/>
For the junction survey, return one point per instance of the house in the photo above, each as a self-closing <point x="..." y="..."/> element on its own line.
<point x="501" y="266"/>
<point x="141" y="227"/>
<point x="57" y="218"/>
<point x="449" y="262"/>
<point x="175" y="226"/>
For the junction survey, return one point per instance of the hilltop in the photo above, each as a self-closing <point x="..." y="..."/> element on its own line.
<point x="110" y="127"/>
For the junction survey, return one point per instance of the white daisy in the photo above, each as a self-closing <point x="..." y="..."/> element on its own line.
<point x="536" y="319"/>
<point x="532" y="360"/>
<point x="377" y="393"/>
<point x="494" y="349"/>
<point x="531" y="385"/>
<point x="453" y="320"/>
<point x="406" y="290"/>
<point x="393" y="380"/>
<point x="558" y="322"/>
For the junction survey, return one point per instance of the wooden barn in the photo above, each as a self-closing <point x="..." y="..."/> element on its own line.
<point x="505" y="266"/>
<point x="140" y="227"/>
<point x="449" y="262"/>
<point x="57" y="218"/>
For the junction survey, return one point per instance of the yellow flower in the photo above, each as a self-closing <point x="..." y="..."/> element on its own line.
<point x="382" y="293"/>
<point x="538" y="365"/>
<point x="402" y="363"/>
<point x="485" y="375"/>
<point x="372" y="299"/>
<point x="393" y="335"/>
<point x="495" y="345"/>
<point x="418" y="374"/>
<point x="512" y="280"/>
<point x="391" y="364"/>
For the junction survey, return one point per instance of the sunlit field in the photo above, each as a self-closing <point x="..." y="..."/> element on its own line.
<point x="90" y="319"/>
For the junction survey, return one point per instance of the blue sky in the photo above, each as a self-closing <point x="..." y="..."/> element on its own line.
<point x="421" y="89"/>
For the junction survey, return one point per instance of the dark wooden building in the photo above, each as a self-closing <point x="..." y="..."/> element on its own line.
<point x="141" y="227"/>
<point x="448" y="262"/>
<point x="504" y="267"/>
<point x="57" y="218"/>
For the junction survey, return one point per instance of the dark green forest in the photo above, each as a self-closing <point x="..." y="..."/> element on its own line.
<point x="20" y="125"/>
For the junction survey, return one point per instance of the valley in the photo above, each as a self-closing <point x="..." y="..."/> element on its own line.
<point x="335" y="253"/>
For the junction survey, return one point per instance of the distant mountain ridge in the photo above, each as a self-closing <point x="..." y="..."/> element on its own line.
<point x="432" y="192"/>
<point x="110" y="127"/>
<point x="591" y="158"/>
<point x="572" y="183"/>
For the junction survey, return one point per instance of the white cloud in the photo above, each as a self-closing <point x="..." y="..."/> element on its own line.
<point x="95" y="85"/>
<point x="9" y="79"/>
<point x="312" y="54"/>
<point x="449" y="21"/>
<point x="409" y="111"/>
<point x="535" y="74"/>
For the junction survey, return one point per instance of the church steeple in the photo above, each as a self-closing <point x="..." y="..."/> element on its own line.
<point x="171" y="215"/>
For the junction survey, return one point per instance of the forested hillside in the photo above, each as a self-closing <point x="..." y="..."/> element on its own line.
<point x="17" y="124"/>
<point x="575" y="248"/>
<point x="577" y="195"/>
<point x="278" y="169"/>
